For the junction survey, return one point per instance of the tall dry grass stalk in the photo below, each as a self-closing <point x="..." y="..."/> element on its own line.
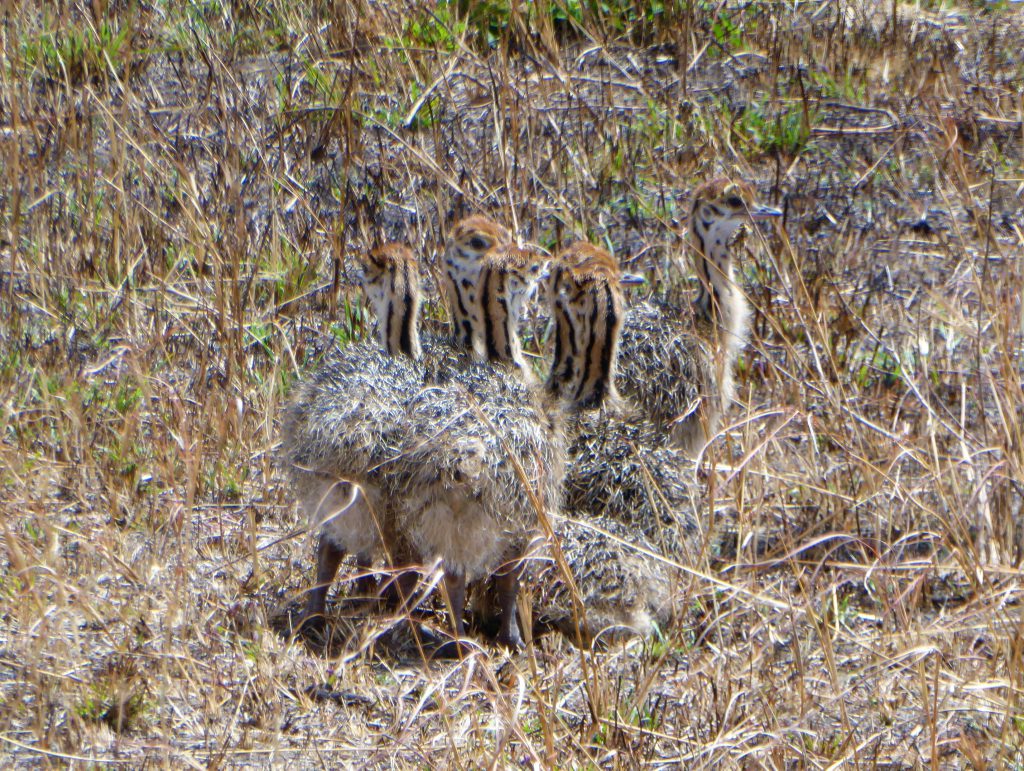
<point x="179" y="187"/>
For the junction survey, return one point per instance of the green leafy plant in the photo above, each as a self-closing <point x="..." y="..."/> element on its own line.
<point x="76" y="54"/>
<point x="785" y="129"/>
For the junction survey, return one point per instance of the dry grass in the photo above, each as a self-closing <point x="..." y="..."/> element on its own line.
<point x="179" y="185"/>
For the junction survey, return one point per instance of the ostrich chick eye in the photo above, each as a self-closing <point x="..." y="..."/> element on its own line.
<point x="478" y="242"/>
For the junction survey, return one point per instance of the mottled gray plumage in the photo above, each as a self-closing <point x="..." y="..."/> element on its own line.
<point x="454" y="471"/>
<point x="668" y="372"/>
<point x="452" y="461"/>
<point x="621" y="467"/>
<point x="677" y="366"/>
<point x="343" y="418"/>
<point x="479" y="446"/>
<point x="340" y="427"/>
<point x="626" y="500"/>
<point x="625" y="493"/>
<point x="618" y="584"/>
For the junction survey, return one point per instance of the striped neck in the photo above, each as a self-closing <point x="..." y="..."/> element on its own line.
<point x="598" y="343"/>
<point x="394" y="293"/>
<point x="563" y="365"/>
<point x="501" y="307"/>
<point x="588" y="322"/>
<point x="508" y="279"/>
<point x="470" y="240"/>
<point x="399" y="329"/>
<point x="718" y="297"/>
<point x="462" y="276"/>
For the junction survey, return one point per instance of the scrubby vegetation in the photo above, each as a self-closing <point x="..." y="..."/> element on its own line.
<point x="180" y="184"/>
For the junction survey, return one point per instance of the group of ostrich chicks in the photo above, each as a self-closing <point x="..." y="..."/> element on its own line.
<point x="452" y="451"/>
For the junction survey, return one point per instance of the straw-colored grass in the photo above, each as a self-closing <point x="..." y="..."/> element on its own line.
<point x="180" y="184"/>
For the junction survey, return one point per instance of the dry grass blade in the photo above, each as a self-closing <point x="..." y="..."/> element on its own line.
<point x="180" y="189"/>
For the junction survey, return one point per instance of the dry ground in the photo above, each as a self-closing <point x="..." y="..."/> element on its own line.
<point x="179" y="185"/>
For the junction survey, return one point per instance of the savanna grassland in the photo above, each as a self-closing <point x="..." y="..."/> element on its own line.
<point x="180" y="184"/>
